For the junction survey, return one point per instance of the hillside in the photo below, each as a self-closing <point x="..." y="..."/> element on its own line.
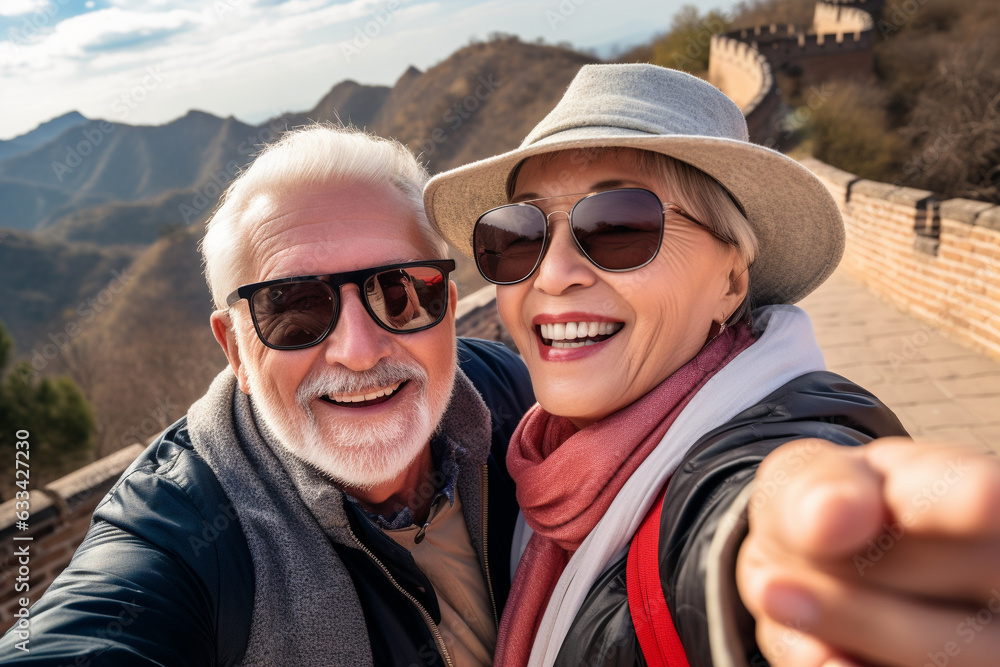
<point x="481" y="101"/>
<point x="930" y="118"/>
<point x="27" y="202"/>
<point x="151" y="352"/>
<point x="348" y="102"/>
<point x="129" y="223"/>
<point x="41" y="135"/>
<point x="113" y="162"/>
<point x="46" y="285"/>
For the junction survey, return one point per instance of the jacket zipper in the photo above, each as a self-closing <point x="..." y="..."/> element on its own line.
<point x="427" y="617"/>
<point x="484" y="515"/>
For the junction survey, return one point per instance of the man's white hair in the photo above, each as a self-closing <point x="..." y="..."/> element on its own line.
<point x="304" y="159"/>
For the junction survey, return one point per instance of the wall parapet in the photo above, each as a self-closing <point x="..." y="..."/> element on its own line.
<point x="744" y="63"/>
<point x="938" y="260"/>
<point x="59" y="519"/>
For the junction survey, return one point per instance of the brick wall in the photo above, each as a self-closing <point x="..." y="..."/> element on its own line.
<point x="743" y="63"/>
<point x="937" y="259"/>
<point x="59" y="518"/>
<point x="831" y="17"/>
<point x="60" y="513"/>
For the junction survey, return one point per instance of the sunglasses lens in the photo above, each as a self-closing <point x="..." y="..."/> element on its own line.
<point x="294" y="314"/>
<point x="619" y="229"/>
<point x="508" y="242"/>
<point x="408" y="299"/>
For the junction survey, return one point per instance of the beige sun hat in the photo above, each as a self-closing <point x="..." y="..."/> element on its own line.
<point x="798" y="224"/>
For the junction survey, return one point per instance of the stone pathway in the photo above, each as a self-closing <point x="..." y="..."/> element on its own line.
<point x="938" y="388"/>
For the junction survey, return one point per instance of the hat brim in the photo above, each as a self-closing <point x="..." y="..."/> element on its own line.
<point x="799" y="228"/>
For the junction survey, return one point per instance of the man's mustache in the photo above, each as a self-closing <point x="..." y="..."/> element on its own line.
<point x="343" y="381"/>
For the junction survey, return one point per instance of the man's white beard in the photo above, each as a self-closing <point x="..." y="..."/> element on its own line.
<point x="359" y="453"/>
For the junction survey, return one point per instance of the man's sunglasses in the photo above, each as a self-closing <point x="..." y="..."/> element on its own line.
<point x="293" y="313"/>
<point x="617" y="230"/>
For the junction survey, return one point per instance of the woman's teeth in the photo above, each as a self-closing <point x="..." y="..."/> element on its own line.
<point x="577" y="334"/>
<point x="361" y="398"/>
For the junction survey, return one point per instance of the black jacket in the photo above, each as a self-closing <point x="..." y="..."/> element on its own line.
<point x="705" y="485"/>
<point x="164" y="576"/>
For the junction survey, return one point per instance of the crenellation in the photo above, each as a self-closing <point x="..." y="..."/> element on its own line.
<point x="938" y="260"/>
<point x="842" y="33"/>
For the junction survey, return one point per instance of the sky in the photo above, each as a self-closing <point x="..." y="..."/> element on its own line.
<point x="147" y="62"/>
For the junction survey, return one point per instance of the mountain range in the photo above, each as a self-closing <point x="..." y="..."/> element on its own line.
<point x="87" y="202"/>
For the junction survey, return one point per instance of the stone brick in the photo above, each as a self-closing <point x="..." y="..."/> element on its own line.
<point x="829" y="173"/>
<point x="989" y="219"/>
<point x="962" y="210"/>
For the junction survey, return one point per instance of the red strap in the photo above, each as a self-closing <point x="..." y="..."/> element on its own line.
<point x="658" y="639"/>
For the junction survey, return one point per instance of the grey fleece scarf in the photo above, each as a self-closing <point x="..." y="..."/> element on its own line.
<point x="306" y="610"/>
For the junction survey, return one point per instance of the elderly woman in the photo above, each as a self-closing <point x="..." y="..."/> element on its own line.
<point x="645" y="255"/>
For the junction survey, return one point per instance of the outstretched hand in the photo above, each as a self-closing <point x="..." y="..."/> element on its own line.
<point x="885" y="554"/>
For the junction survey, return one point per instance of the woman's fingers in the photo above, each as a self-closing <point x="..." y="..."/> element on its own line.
<point x="932" y="567"/>
<point x="888" y="629"/>
<point x="817" y="499"/>
<point x="887" y="554"/>
<point x="791" y="645"/>
<point x="938" y="489"/>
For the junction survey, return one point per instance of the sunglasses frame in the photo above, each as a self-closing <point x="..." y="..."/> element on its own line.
<point x="664" y="207"/>
<point x="335" y="281"/>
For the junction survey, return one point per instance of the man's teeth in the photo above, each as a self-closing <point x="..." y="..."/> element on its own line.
<point x="360" y="398"/>
<point x="577" y="334"/>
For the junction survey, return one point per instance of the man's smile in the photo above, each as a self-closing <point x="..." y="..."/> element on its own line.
<point x="366" y="399"/>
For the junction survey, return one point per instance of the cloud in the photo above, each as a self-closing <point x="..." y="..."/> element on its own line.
<point x="247" y="56"/>
<point x="19" y="7"/>
<point x="105" y="30"/>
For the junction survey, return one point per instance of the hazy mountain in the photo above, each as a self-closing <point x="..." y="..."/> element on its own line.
<point x="131" y="223"/>
<point x="45" y="286"/>
<point x="151" y="352"/>
<point x="101" y="161"/>
<point x="26" y="202"/>
<point x="348" y="102"/>
<point x="41" y="135"/>
<point x="481" y="101"/>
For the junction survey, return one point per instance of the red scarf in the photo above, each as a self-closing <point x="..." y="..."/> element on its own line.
<point x="566" y="480"/>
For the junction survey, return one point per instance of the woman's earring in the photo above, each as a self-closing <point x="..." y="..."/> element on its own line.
<point x="716" y="330"/>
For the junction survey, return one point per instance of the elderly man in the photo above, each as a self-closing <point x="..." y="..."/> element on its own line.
<point x="334" y="498"/>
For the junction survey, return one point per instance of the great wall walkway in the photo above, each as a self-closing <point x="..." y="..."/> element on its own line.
<point x="938" y="388"/>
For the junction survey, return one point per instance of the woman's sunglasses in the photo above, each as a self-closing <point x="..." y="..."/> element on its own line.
<point x="293" y="313"/>
<point x="617" y="230"/>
